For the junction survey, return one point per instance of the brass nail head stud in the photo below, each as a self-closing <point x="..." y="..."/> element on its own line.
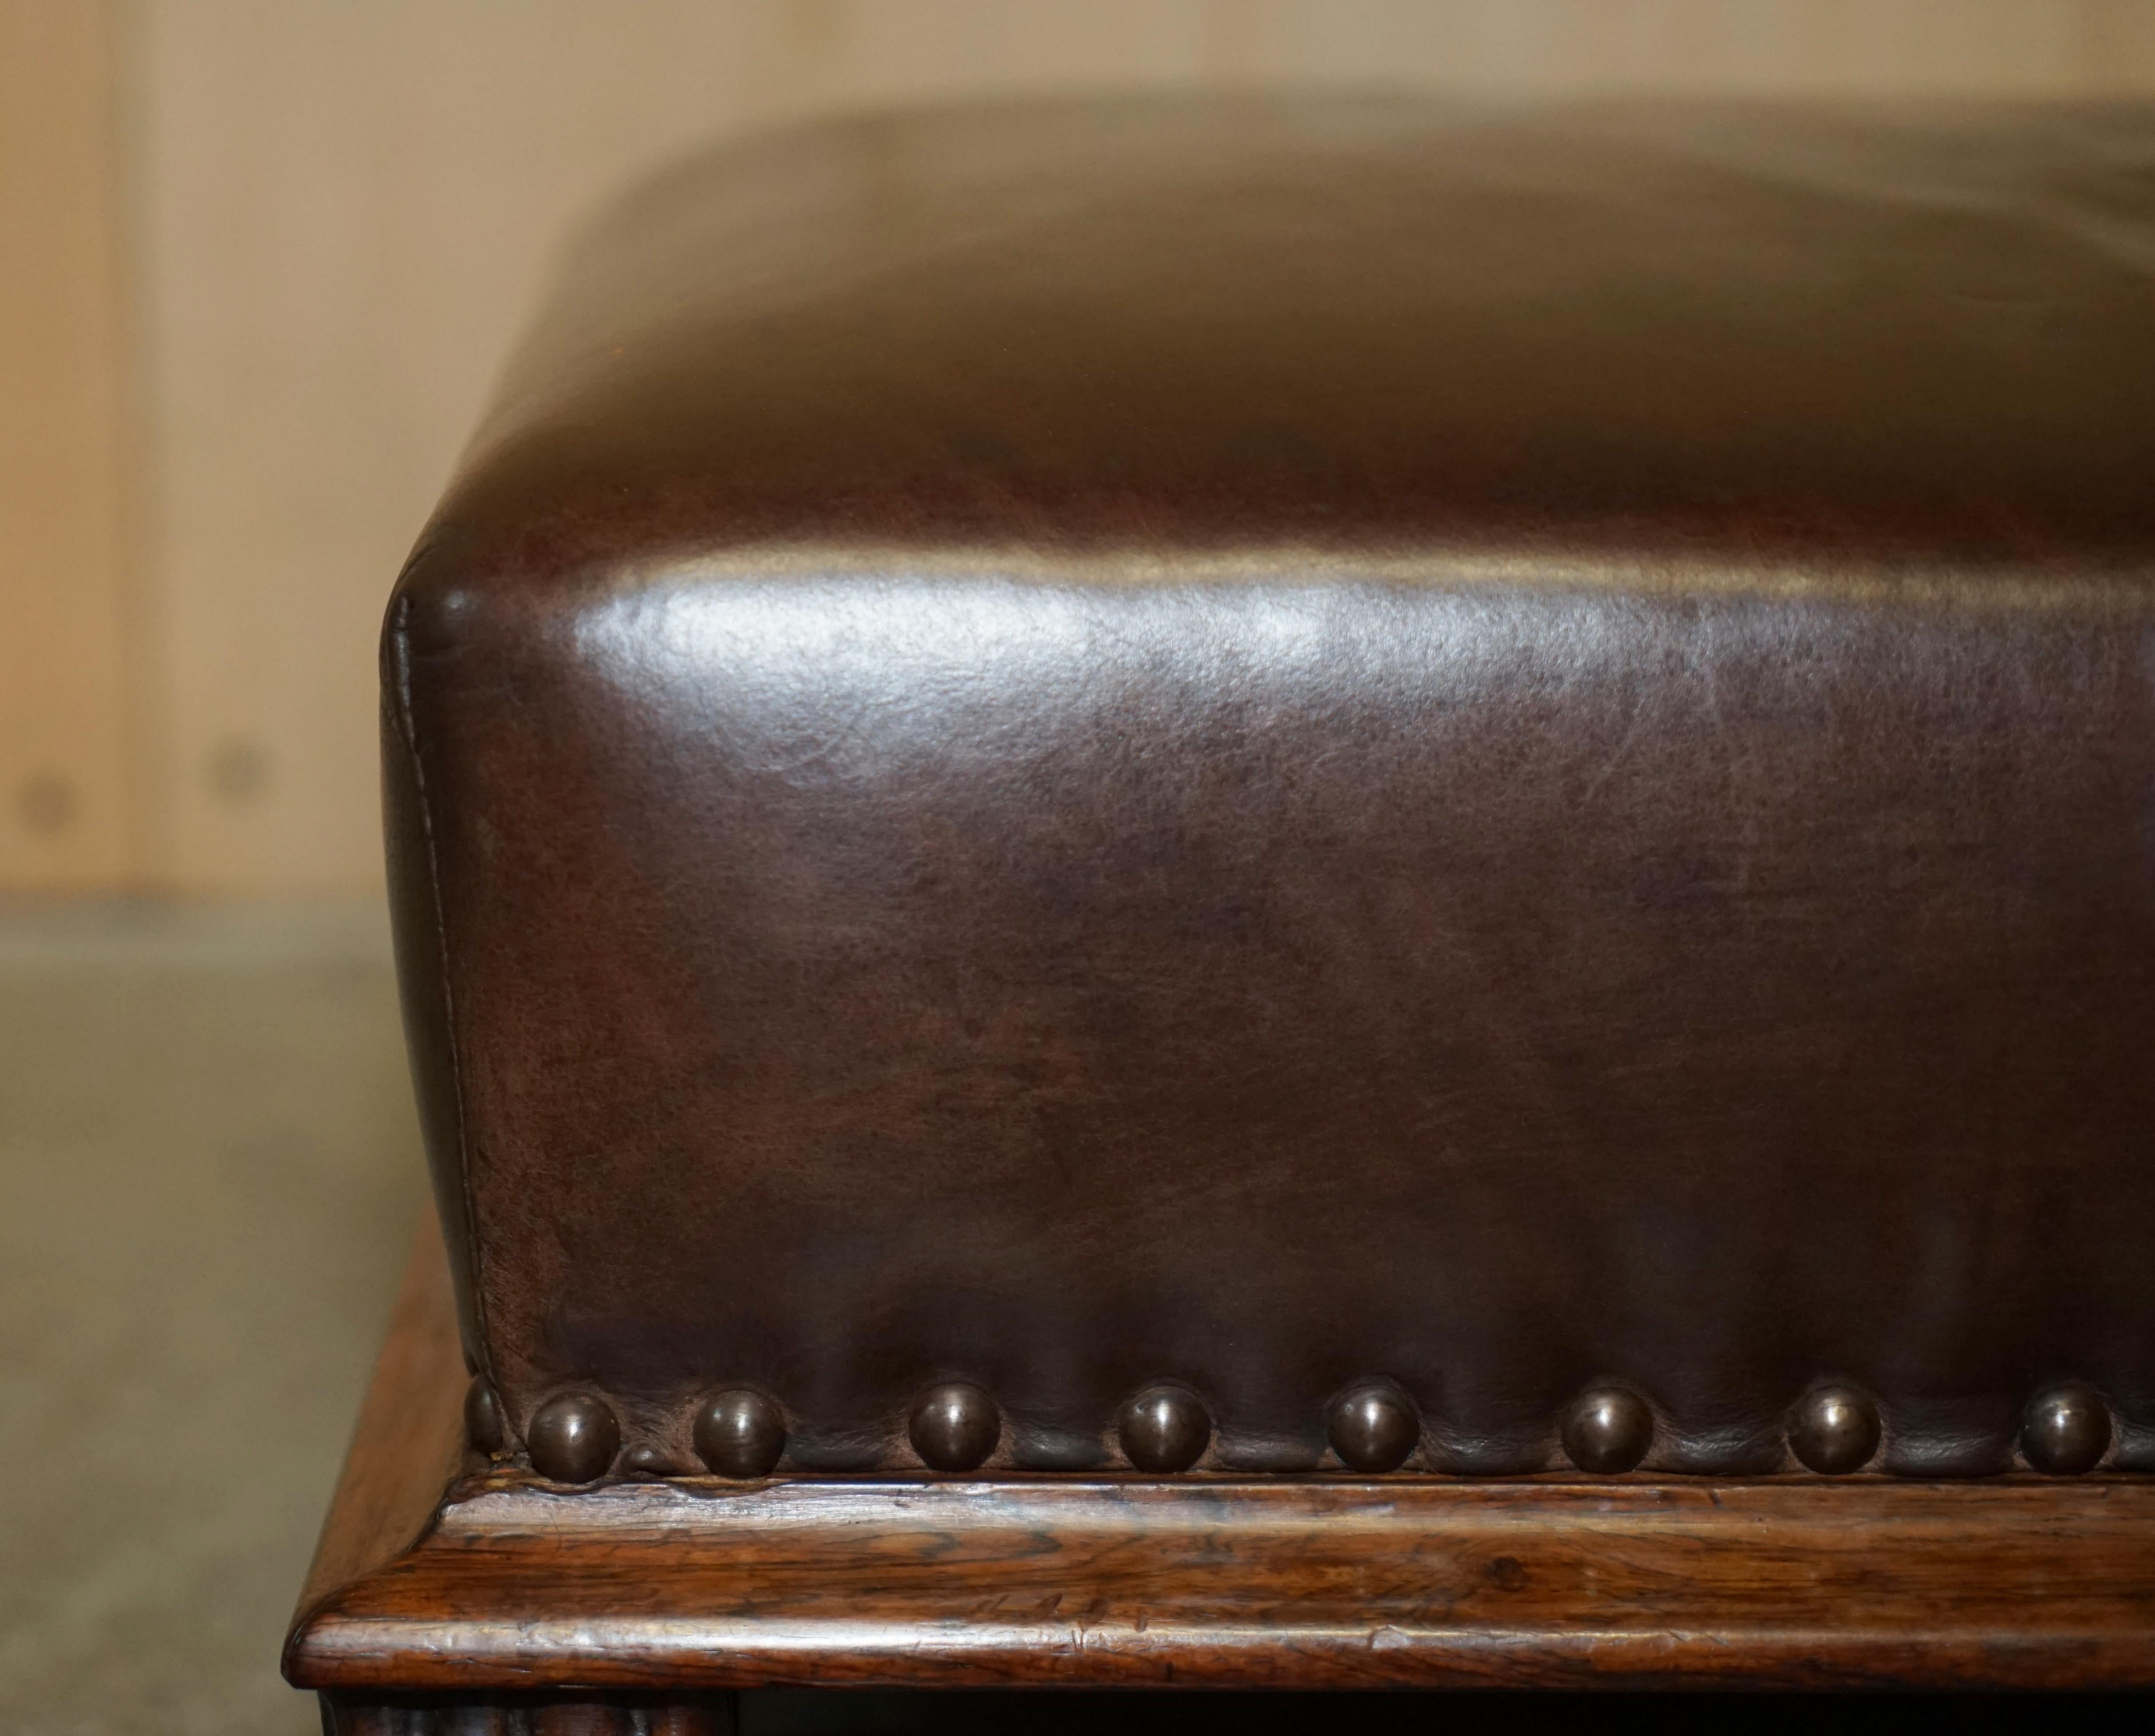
<point x="485" y="1426"/>
<point x="1374" y="1427"/>
<point x="1164" y="1429"/>
<point x="2066" y="1431"/>
<point x="1608" y="1430"/>
<point x="573" y="1438"/>
<point x="1835" y="1429"/>
<point x="954" y="1426"/>
<point x="740" y="1433"/>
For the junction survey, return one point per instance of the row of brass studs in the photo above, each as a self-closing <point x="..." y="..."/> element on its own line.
<point x="1373" y="1427"/>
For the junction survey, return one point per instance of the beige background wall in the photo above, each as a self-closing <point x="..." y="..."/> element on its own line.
<point x="65" y="796"/>
<point x="259" y="257"/>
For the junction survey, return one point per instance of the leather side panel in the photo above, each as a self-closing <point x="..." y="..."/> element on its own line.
<point x="871" y="980"/>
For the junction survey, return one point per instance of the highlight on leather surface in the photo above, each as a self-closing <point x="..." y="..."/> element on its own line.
<point x="1221" y="751"/>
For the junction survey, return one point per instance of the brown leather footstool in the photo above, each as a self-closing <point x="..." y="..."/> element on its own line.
<point x="1312" y="893"/>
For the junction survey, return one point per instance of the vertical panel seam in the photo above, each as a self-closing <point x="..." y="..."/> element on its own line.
<point x="408" y="730"/>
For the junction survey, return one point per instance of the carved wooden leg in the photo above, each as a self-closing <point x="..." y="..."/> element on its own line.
<point x="565" y="1715"/>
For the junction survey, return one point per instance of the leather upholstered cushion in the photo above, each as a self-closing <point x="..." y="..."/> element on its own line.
<point x="1267" y="742"/>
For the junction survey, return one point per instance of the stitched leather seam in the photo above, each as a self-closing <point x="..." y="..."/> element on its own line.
<point x="407" y="729"/>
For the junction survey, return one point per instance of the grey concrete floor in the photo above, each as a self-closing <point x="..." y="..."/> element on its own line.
<point x="209" y="1172"/>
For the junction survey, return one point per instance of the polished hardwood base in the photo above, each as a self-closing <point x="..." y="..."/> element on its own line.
<point x="436" y="1577"/>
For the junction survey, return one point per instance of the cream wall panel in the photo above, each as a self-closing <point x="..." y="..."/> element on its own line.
<point x="64" y="789"/>
<point x="345" y="206"/>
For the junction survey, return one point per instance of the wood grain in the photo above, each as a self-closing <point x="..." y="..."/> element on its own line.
<point x="1305" y="1582"/>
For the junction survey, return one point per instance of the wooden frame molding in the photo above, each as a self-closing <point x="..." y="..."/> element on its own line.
<point x="436" y="1577"/>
